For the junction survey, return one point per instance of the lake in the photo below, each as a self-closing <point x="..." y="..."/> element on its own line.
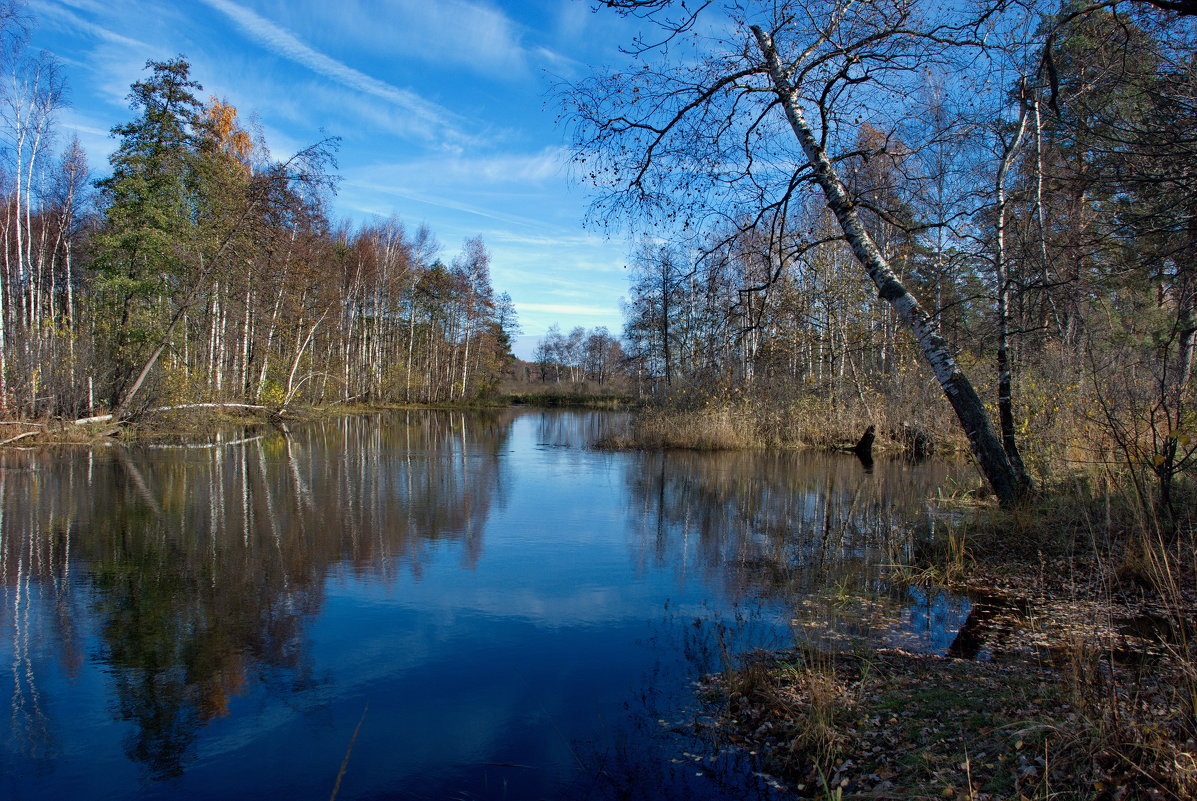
<point x="424" y="605"/>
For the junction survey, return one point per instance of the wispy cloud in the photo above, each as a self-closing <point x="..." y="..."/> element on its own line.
<point x="570" y="309"/>
<point x="441" y="202"/>
<point x="96" y="141"/>
<point x="437" y="122"/>
<point x="76" y="23"/>
<point x="472" y="34"/>
<point x="86" y="129"/>
<point x="547" y="241"/>
<point x="504" y="170"/>
<point x="476" y="37"/>
<point x="557" y="60"/>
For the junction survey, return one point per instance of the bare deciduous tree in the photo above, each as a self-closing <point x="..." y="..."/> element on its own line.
<point x="727" y="124"/>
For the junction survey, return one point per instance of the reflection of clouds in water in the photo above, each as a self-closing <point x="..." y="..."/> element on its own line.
<point x="843" y="617"/>
<point x="577" y="431"/>
<point x="564" y="605"/>
<point x="492" y="587"/>
<point x="784" y="525"/>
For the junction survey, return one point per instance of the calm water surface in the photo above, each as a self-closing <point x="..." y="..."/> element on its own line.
<point x="498" y="611"/>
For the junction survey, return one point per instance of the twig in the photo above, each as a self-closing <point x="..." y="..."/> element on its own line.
<point x="348" y="751"/>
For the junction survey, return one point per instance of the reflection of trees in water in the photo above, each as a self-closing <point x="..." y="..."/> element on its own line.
<point x="579" y="430"/>
<point x="772" y="523"/>
<point x="203" y="567"/>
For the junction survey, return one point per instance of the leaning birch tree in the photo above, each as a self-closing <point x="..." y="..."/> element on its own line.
<point x="731" y="122"/>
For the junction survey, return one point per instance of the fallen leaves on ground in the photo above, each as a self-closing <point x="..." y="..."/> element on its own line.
<point x="1073" y="704"/>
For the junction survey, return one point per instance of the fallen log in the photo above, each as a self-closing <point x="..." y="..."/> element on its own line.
<point x="274" y="416"/>
<point x="18" y="437"/>
<point x="207" y="406"/>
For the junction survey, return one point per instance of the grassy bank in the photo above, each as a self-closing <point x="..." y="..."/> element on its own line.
<point x="573" y="400"/>
<point x="1090" y="691"/>
<point x="763" y="423"/>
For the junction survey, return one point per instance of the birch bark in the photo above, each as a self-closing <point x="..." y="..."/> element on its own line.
<point x="986" y="447"/>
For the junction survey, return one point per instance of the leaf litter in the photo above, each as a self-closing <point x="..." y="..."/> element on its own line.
<point x="1085" y="689"/>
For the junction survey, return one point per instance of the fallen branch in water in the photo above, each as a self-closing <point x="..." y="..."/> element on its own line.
<point x="104" y="418"/>
<point x="18" y="437"/>
<point x="208" y="406"/>
<point x="100" y="418"/>
<point x="82" y="421"/>
<point x="348" y="752"/>
<point x="207" y="445"/>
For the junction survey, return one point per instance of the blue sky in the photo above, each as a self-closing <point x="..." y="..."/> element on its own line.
<point x="443" y="108"/>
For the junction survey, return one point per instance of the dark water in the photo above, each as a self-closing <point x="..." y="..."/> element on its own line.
<point x="497" y="610"/>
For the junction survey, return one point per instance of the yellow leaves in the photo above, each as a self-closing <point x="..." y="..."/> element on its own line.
<point x="230" y="138"/>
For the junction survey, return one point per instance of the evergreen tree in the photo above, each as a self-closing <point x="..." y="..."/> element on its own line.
<point x="150" y="217"/>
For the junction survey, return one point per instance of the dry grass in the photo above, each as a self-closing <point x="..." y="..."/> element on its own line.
<point x="905" y="726"/>
<point x="707" y="428"/>
<point x="798" y="707"/>
<point x="698" y="422"/>
<point x="1091" y="694"/>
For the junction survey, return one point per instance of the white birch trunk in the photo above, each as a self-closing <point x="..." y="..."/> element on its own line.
<point x="987" y="448"/>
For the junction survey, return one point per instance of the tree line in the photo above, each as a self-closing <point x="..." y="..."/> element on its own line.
<point x="583" y="355"/>
<point x="203" y="269"/>
<point x="838" y="196"/>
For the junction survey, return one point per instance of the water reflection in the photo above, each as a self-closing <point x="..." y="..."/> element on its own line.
<point x="817" y="532"/>
<point x="499" y="594"/>
<point x="775" y="523"/>
<point x="203" y="568"/>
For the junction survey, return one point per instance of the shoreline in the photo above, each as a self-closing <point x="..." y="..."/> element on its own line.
<point x="1059" y="709"/>
<point x="1085" y="689"/>
<point x="198" y="418"/>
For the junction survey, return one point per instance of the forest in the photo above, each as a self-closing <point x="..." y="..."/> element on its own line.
<point x="976" y="225"/>
<point x="962" y="228"/>
<point x="203" y="269"/>
<point x="966" y="227"/>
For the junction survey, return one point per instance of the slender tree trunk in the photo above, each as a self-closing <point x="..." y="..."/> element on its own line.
<point x="72" y="334"/>
<point x="411" y="341"/>
<point x="292" y="388"/>
<point x="5" y="280"/>
<point x="278" y="301"/>
<point x="1002" y="277"/>
<point x="246" y="336"/>
<point x="465" y="357"/>
<point x="213" y="364"/>
<point x="987" y="448"/>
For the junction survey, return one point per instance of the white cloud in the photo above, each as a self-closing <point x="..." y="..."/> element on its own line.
<point x="96" y="141"/>
<point x="439" y="202"/>
<point x="475" y="36"/>
<point x="525" y="170"/>
<point x="77" y="24"/>
<point x="547" y="241"/>
<point x="85" y="129"/>
<point x="558" y="61"/>
<point x="570" y="309"/>
<point x="434" y="121"/>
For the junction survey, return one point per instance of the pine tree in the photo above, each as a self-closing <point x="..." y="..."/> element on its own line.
<point x="150" y="218"/>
